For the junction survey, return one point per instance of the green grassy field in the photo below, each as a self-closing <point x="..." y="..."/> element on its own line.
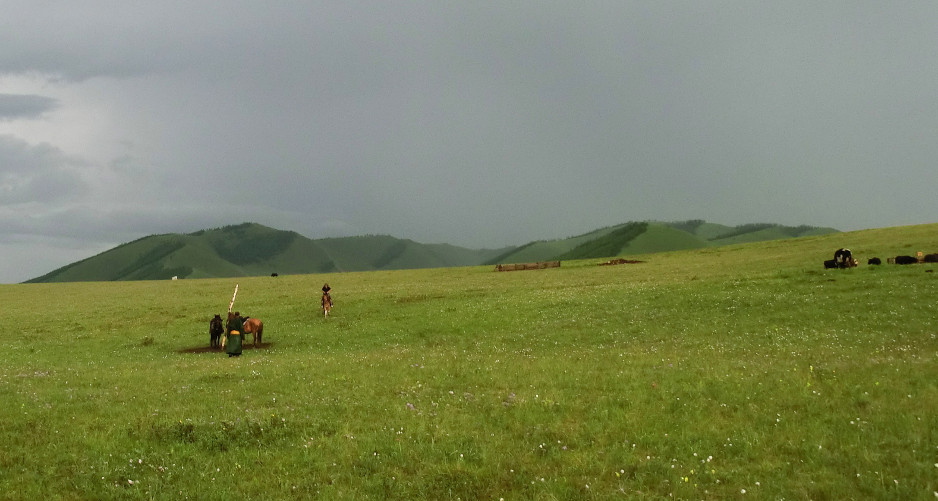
<point x="739" y="372"/>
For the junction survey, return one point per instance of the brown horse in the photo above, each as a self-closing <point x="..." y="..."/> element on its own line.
<point x="326" y="304"/>
<point x="255" y="327"/>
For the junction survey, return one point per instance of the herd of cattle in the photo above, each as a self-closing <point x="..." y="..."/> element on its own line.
<point x="844" y="259"/>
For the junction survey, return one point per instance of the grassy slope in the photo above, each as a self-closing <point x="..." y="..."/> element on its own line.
<point x="301" y="256"/>
<point x="763" y="232"/>
<point x="659" y="238"/>
<point x="351" y="250"/>
<point x="438" y="255"/>
<point x="609" y="244"/>
<point x="544" y="250"/>
<point x="449" y="255"/>
<point x="255" y="250"/>
<point x="696" y="374"/>
<point x="708" y="231"/>
<point x="386" y="252"/>
<point x="122" y="261"/>
<point x="773" y="233"/>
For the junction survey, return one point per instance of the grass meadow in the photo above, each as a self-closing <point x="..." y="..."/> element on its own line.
<point x="741" y="372"/>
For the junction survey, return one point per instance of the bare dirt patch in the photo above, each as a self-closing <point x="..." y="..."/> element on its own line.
<point x="620" y="261"/>
<point x="208" y="349"/>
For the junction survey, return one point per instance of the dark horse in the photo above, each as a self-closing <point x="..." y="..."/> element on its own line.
<point x="215" y="330"/>
<point x="255" y="327"/>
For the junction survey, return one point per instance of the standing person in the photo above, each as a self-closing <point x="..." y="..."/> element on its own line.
<point x="234" y="334"/>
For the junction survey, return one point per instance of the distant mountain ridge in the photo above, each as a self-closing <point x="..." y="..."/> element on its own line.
<point x="649" y="237"/>
<point x="251" y="249"/>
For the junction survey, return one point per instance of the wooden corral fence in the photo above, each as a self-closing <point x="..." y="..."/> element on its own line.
<point x="527" y="266"/>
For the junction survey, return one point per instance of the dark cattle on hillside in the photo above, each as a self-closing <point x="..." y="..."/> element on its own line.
<point x="874" y="260"/>
<point x="931" y="258"/>
<point x="844" y="258"/>
<point x="906" y="260"/>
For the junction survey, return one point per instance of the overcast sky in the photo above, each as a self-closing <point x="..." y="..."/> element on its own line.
<point x="480" y="124"/>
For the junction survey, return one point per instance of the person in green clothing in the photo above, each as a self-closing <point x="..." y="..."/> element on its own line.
<point x="234" y="334"/>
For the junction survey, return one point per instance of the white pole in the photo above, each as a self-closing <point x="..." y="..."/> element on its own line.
<point x="231" y="304"/>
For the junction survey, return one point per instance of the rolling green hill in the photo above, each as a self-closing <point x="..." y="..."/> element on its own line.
<point x="649" y="237"/>
<point x="251" y="249"/>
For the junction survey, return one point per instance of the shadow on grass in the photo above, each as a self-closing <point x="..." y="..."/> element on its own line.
<point x="208" y="349"/>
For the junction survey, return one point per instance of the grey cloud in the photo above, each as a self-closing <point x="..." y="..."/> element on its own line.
<point x="36" y="173"/>
<point x="20" y="106"/>
<point x="75" y="42"/>
<point x="478" y="124"/>
<point x="31" y="256"/>
<point x="118" y="222"/>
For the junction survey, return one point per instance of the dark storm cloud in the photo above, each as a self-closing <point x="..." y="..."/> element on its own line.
<point x="15" y="106"/>
<point x="77" y="41"/>
<point x="478" y="124"/>
<point x="36" y="174"/>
